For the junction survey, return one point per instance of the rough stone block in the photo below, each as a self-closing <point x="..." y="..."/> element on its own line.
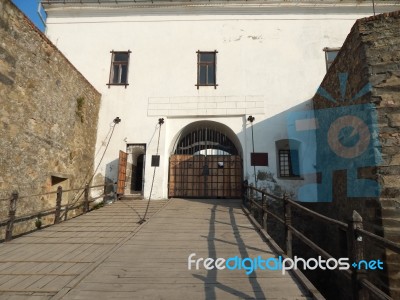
<point x="391" y="181"/>
<point x="394" y="120"/>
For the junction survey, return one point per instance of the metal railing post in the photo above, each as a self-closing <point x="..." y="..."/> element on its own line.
<point x="248" y="194"/>
<point x="58" y="206"/>
<point x="11" y="216"/>
<point x="86" y="199"/>
<point x="288" y="222"/>
<point x="264" y="209"/>
<point x="356" y="254"/>
<point x="244" y="192"/>
<point x="66" y="212"/>
<point x="251" y="198"/>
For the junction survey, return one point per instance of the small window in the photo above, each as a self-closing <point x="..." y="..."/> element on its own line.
<point x="330" y="55"/>
<point x="119" y="68"/>
<point x="288" y="163"/>
<point x="288" y="158"/>
<point x="206" y="69"/>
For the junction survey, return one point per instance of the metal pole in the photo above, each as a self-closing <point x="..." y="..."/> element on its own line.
<point x="252" y="138"/>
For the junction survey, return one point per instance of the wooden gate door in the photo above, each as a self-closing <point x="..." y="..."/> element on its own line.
<point x="123" y="157"/>
<point x="200" y="176"/>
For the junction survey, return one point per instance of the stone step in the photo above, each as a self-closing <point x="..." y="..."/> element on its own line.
<point x="137" y="196"/>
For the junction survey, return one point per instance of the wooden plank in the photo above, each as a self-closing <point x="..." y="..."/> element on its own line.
<point x="28" y="281"/>
<point x="41" y="265"/>
<point x="152" y="264"/>
<point x="12" y="282"/>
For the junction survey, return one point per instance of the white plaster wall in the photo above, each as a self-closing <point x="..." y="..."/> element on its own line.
<point x="269" y="61"/>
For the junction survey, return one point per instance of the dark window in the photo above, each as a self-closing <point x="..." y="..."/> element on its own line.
<point x="289" y="163"/>
<point x="330" y="55"/>
<point x="206" y="69"/>
<point x="119" y="68"/>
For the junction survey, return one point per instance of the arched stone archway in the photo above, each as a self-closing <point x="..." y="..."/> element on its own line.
<point x="206" y="162"/>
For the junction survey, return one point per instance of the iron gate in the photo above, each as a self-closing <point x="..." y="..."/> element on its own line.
<point x="206" y="164"/>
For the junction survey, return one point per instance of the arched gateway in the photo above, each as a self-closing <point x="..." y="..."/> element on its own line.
<point x="206" y="162"/>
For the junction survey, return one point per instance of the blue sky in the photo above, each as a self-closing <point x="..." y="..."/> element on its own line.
<point x="29" y="8"/>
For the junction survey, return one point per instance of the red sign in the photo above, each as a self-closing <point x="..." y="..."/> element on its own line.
<point x="259" y="159"/>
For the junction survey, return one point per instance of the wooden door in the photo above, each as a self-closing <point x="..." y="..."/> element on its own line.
<point x="199" y="176"/>
<point x="123" y="157"/>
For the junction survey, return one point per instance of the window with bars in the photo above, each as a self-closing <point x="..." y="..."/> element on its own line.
<point x="288" y="159"/>
<point x="285" y="168"/>
<point x="119" y="68"/>
<point x="206" y="68"/>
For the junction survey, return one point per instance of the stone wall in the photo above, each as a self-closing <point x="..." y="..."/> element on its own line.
<point x="382" y="40"/>
<point x="48" y="117"/>
<point x="370" y="55"/>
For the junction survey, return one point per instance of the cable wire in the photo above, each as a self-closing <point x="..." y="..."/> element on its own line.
<point x="76" y="199"/>
<point x="142" y="220"/>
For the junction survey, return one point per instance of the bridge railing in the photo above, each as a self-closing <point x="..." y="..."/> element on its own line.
<point x="256" y="200"/>
<point x="59" y="210"/>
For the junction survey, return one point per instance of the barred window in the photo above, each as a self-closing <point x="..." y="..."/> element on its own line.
<point x="288" y="166"/>
<point x="288" y="160"/>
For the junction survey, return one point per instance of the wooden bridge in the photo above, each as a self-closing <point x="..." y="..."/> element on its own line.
<point x="107" y="254"/>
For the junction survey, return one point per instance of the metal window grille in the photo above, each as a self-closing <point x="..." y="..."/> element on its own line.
<point x="284" y="163"/>
<point x="288" y="163"/>
<point x="206" y="141"/>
